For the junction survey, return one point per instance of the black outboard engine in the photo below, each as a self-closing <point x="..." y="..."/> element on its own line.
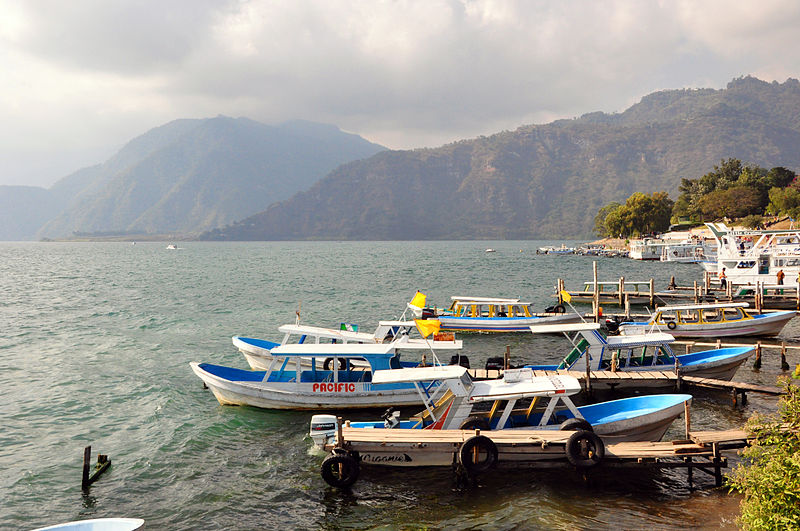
<point x="457" y="359"/>
<point x="428" y="313"/>
<point x="495" y="364"/>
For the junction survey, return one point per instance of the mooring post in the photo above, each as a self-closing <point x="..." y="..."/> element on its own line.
<point x="596" y="294"/>
<point x="559" y="287"/>
<point x="507" y="357"/>
<point x="588" y="374"/>
<point x="688" y="418"/>
<point x="627" y="306"/>
<point x="652" y="293"/>
<point x="706" y="280"/>
<point x="757" y="363"/>
<point x="339" y="437"/>
<point x="677" y="375"/>
<point x="87" y="457"/>
<point x="621" y="291"/>
<point x="719" y="343"/>
<point x="696" y="299"/>
<point x="784" y="365"/>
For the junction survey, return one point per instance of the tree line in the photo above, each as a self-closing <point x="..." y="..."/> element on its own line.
<point x="732" y="190"/>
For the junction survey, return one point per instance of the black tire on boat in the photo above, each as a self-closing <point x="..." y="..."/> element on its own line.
<point x="559" y="308"/>
<point x="343" y="364"/>
<point x="482" y="446"/>
<point x="475" y="423"/>
<point x="584" y="449"/>
<point x="575" y="424"/>
<point x="340" y="470"/>
<point x="672" y="325"/>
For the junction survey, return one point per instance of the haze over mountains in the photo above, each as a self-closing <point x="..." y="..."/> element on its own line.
<point x="182" y="178"/>
<point x="243" y="180"/>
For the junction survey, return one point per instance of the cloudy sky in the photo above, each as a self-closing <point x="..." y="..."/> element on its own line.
<point x="80" y="78"/>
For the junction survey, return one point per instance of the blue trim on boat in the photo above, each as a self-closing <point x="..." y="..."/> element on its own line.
<point x="708" y="356"/>
<point x="260" y="343"/>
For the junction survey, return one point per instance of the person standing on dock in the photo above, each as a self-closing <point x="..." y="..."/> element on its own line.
<point x="723" y="279"/>
<point x="781" y="276"/>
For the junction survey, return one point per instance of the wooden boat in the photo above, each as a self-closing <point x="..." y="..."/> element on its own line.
<point x="514" y="402"/>
<point x="641" y="352"/>
<point x="711" y="320"/>
<point x="97" y="524"/>
<point x="258" y="352"/>
<point x="286" y="384"/>
<point x="485" y="314"/>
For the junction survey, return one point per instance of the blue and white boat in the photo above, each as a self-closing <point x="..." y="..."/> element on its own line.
<point x="640" y="352"/>
<point x="515" y="402"/>
<point x="729" y="319"/>
<point x="485" y="314"/>
<point x="287" y="384"/>
<point x="97" y="524"/>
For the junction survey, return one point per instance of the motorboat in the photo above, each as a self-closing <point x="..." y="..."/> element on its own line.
<point x="172" y="247"/>
<point x="640" y="352"/>
<point x="287" y="384"/>
<point x="520" y="400"/>
<point x="97" y="524"/>
<point x="487" y="314"/>
<point x="711" y="320"/>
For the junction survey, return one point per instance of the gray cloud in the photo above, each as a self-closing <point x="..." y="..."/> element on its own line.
<point x="83" y="77"/>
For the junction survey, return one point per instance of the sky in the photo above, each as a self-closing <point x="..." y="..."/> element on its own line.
<point x="80" y="78"/>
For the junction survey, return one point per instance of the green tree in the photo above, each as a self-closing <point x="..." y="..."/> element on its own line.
<point x="735" y="202"/>
<point x="600" y="227"/>
<point x="640" y="214"/>
<point x="785" y="201"/>
<point x="769" y="475"/>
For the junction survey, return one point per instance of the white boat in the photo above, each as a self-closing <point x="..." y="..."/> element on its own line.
<point x="486" y="314"/>
<point x="489" y="250"/>
<point x="258" y="352"/>
<point x="751" y="256"/>
<point x="286" y="384"/>
<point x="641" y="352"/>
<point x="514" y="402"/>
<point x="409" y="443"/>
<point x="646" y="249"/>
<point x="692" y="251"/>
<point x="172" y="246"/>
<point x="97" y="524"/>
<point x="711" y="320"/>
<point x="555" y="250"/>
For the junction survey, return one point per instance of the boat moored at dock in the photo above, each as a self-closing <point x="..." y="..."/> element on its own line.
<point x="487" y="314"/>
<point x="711" y="320"/>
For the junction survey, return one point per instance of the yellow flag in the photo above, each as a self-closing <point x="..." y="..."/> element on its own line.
<point x="566" y="297"/>
<point x="418" y="300"/>
<point x="427" y="327"/>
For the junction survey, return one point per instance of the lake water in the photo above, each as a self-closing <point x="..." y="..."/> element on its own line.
<point x="95" y="346"/>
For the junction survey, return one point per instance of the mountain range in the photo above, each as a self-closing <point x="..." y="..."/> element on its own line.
<point x="182" y="178"/>
<point x="236" y="179"/>
<point x="541" y="181"/>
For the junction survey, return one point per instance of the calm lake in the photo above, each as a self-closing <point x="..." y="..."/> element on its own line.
<point x="95" y="346"/>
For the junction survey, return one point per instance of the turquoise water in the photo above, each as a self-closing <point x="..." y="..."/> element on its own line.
<point x="95" y="346"/>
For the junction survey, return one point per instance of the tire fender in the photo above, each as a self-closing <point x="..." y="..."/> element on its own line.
<point x="481" y="445"/>
<point x="340" y="470"/>
<point x="584" y="449"/>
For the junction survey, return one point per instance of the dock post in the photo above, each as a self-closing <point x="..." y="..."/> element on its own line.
<point x="797" y="295"/>
<point x="677" y="375"/>
<point x="707" y="280"/>
<point x="596" y="294"/>
<point x="627" y="307"/>
<point x="688" y="419"/>
<point x="719" y="343"/>
<point x="757" y="363"/>
<point x="588" y="374"/>
<point x="729" y="291"/>
<point x="717" y="465"/>
<point x="784" y="365"/>
<point x="696" y="300"/>
<point x="758" y="296"/>
<point x="87" y="457"/>
<point x="621" y="291"/>
<point x="339" y="437"/>
<point x="652" y="293"/>
<point x="559" y="288"/>
<point x="506" y="357"/>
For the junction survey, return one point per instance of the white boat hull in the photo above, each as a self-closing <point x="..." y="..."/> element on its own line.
<point x="305" y="395"/>
<point x="503" y="324"/>
<point x="765" y="325"/>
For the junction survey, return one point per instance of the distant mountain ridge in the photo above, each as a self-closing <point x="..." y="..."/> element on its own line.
<point x="193" y="175"/>
<point x="540" y="181"/>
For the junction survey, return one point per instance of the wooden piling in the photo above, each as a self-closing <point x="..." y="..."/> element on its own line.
<point x="696" y="299"/>
<point x="339" y="437"/>
<point x="621" y="293"/>
<point x="506" y="357"/>
<point x="102" y="465"/>
<point x="87" y="457"/>
<point x="596" y="294"/>
<point x="784" y="365"/>
<point x="757" y="363"/>
<point x="652" y="293"/>
<point x="627" y="306"/>
<point x="559" y="289"/>
<point x="687" y="418"/>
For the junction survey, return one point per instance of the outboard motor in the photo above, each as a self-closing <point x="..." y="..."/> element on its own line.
<point x="428" y="313"/>
<point x="458" y="359"/>
<point x="323" y="429"/>
<point x="495" y="364"/>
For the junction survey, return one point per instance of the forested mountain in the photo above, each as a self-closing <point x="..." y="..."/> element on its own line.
<point x="192" y="175"/>
<point x="541" y="180"/>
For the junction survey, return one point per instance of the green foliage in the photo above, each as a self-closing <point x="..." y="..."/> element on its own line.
<point x="753" y="221"/>
<point x="735" y="202"/>
<point x="600" y="227"/>
<point x="641" y="214"/>
<point x="769" y="476"/>
<point x="785" y="201"/>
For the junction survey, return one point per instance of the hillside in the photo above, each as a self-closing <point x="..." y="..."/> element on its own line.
<point x="541" y="181"/>
<point x="193" y="175"/>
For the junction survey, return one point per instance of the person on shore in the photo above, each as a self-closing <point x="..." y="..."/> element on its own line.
<point x="781" y="275"/>
<point x="723" y="279"/>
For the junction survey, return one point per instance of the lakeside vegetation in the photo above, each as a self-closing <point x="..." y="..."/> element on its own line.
<point x="733" y="190"/>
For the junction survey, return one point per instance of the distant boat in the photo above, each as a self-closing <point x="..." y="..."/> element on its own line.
<point x="489" y="250"/>
<point x="97" y="524"/>
<point x="172" y="246"/>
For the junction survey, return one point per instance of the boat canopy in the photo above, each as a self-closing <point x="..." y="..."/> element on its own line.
<point x="712" y="306"/>
<point x="638" y="340"/>
<point x="485" y="300"/>
<point x="524" y="386"/>
<point x="419" y="374"/>
<point x="334" y="350"/>
<point x="327" y="333"/>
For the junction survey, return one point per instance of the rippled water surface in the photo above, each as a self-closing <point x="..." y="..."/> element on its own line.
<point x="95" y="346"/>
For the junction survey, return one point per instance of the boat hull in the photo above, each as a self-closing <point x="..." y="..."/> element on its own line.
<point x="305" y="395"/>
<point x="640" y="418"/>
<point x="503" y="324"/>
<point x="768" y="324"/>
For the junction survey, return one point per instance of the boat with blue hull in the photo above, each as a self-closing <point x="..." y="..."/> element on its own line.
<point x="484" y="314"/>
<point x="641" y="352"/>
<point x="287" y="384"/>
<point x="516" y="402"/>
